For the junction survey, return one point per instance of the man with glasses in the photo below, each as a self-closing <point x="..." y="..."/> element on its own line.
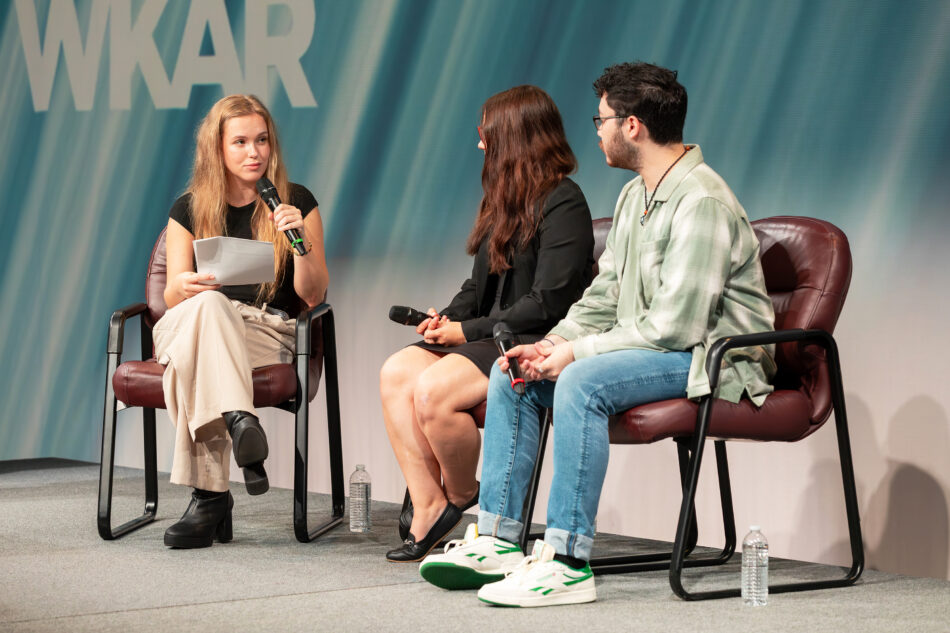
<point x="680" y="270"/>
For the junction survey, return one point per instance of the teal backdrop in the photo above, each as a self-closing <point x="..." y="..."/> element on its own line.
<point x="835" y="109"/>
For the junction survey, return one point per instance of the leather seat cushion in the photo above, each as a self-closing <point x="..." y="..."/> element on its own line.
<point x="785" y="416"/>
<point x="478" y="412"/>
<point x="139" y="384"/>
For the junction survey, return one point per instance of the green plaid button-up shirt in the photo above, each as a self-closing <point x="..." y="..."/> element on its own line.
<point x="689" y="276"/>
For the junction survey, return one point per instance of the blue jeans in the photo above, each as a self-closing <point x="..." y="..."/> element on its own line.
<point x="586" y="393"/>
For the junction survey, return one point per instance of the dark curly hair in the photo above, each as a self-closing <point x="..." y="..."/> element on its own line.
<point x="650" y="93"/>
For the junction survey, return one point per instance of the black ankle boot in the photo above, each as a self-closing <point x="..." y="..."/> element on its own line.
<point x="250" y="449"/>
<point x="208" y="517"/>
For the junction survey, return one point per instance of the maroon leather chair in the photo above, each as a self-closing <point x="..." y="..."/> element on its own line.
<point x="138" y="383"/>
<point x="807" y="266"/>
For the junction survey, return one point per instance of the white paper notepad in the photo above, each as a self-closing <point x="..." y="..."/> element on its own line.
<point x="235" y="261"/>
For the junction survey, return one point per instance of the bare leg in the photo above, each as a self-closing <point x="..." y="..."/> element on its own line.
<point x="397" y="384"/>
<point x="443" y="394"/>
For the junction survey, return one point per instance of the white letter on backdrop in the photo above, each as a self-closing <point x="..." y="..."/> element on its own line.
<point x="132" y="45"/>
<point x="192" y="67"/>
<point x="283" y="52"/>
<point x="62" y="27"/>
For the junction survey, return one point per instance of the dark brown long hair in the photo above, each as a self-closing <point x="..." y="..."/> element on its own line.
<point x="526" y="156"/>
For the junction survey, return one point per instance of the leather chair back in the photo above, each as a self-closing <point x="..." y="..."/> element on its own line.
<point x="155" y="280"/>
<point x="601" y="229"/>
<point x="807" y="266"/>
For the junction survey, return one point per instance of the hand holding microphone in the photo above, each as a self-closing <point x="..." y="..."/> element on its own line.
<point x="268" y="193"/>
<point x="406" y="315"/>
<point x="504" y="341"/>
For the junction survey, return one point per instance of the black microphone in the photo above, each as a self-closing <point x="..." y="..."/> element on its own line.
<point x="268" y="193"/>
<point x="504" y="341"/>
<point x="406" y="315"/>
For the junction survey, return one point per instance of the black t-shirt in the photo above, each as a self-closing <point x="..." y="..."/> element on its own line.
<point x="238" y="224"/>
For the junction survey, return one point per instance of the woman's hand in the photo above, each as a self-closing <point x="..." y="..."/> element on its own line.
<point x="446" y="332"/>
<point x="286" y="217"/>
<point x="431" y="323"/>
<point x="188" y="283"/>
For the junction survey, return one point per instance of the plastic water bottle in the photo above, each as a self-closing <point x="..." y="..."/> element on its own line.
<point x="755" y="568"/>
<point x="360" y="495"/>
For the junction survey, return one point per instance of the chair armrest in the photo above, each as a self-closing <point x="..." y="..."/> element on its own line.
<point x="718" y="349"/>
<point x="117" y="326"/>
<point x="304" y="324"/>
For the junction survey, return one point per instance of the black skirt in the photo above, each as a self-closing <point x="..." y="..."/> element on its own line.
<point x="482" y="354"/>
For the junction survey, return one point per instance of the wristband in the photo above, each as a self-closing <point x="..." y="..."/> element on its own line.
<point x="553" y="344"/>
<point x="309" y="248"/>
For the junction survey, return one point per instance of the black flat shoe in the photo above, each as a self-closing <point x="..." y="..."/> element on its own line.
<point x="208" y="517"/>
<point x="412" y="551"/>
<point x="405" y="517"/>
<point x="249" y="444"/>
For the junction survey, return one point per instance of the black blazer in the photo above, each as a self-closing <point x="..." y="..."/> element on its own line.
<point x="544" y="279"/>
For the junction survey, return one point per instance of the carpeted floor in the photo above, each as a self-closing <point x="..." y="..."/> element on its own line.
<point x="56" y="574"/>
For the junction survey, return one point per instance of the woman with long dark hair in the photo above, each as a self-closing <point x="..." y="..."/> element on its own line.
<point x="533" y="246"/>
<point x="212" y="336"/>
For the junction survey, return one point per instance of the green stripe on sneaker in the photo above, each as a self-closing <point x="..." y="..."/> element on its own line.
<point x="574" y="580"/>
<point x="506" y="548"/>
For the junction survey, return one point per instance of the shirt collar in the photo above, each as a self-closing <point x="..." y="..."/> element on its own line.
<point x="693" y="158"/>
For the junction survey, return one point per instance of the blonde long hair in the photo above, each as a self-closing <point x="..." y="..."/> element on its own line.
<point x="208" y="186"/>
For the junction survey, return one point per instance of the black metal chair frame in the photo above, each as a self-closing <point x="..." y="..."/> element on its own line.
<point x="690" y="452"/>
<point x="544" y="423"/>
<point x="299" y="405"/>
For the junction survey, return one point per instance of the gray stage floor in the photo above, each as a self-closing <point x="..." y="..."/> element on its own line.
<point x="57" y="575"/>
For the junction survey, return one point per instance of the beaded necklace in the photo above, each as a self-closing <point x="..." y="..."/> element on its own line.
<point x="647" y="204"/>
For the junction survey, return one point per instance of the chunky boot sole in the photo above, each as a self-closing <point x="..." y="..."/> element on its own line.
<point x="250" y="445"/>
<point x="255" y="479"/>
<point x="223" y="533"/>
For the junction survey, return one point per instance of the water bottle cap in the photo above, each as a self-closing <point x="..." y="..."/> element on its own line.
<point x="360" y="467"/>
<point x="752" y="528"/>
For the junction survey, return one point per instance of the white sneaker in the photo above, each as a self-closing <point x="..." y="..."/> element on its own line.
<point x="472" y="561"/>
<point x="541" y="581"/>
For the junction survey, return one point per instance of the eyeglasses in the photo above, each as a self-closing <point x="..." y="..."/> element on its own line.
<point x="599" y="120"/>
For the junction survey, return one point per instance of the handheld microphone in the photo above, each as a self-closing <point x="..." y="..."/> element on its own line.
<point x="504" y="341"/>
<point x="268" y="193"/>
<point x="406" y="315"/>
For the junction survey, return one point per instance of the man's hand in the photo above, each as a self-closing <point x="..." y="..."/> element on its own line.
<point x="549" y="364"/>
<point x="522" y="354"/>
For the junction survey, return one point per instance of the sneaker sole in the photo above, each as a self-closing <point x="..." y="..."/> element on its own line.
<point x="567" y="597"/>
<point x="452" y="576"/>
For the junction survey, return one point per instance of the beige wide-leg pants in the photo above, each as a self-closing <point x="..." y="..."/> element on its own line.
<point x="209" y="344"/>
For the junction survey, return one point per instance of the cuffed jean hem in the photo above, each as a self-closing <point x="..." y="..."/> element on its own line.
<point x="498" y="526"/>
<point x="569" y="543"/>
